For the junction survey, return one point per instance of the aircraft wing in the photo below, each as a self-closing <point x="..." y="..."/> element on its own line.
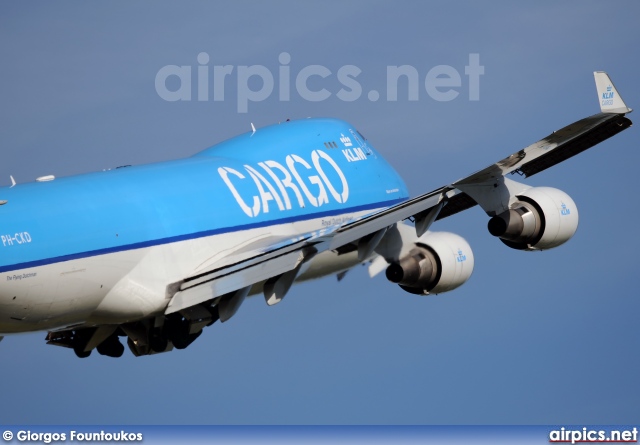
<point x="278" y="263"/>
<point x="547" y="152"/>
<point x="286" y="257"/>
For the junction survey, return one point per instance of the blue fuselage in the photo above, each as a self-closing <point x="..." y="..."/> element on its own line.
<point x="292" y="172"/>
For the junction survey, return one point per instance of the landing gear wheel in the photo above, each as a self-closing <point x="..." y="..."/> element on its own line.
<point x="181" y="339"/>
<point x="81" y="353"/>
<point x="159" y="343"/>
<point x="177" y="331"/>
<point x="183" y="342"/>
<point x="111" y="347"/>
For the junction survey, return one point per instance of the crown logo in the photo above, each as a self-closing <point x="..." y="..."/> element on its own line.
<point x="609" y="88"/>
<point x="345" y="140"/>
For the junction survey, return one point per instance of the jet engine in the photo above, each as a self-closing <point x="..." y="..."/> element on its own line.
<point x="542" y="218"/>
<point x="439" y="262"/>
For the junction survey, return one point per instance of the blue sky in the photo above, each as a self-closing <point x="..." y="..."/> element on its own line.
<point x="548" y="337"/>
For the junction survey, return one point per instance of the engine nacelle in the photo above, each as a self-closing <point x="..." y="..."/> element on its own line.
<point x="439" y="262"/>
<point x="542" y="218"/>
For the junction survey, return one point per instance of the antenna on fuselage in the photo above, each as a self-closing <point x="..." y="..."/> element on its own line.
<point x="253" y="128"/>
<point x="13" y="181"/>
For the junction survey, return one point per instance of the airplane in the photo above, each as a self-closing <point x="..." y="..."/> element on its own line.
<point x="153" y="254"/>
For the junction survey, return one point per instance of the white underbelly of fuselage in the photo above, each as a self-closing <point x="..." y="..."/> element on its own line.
<point x="129" y="285"/>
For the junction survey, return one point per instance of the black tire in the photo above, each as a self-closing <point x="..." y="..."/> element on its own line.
<point x="111" y="347"/>
<point x="116" y="349"/>
<point x="182" y="341"/>
<point x="159" y="343"/>
<point x="81" y="353"/>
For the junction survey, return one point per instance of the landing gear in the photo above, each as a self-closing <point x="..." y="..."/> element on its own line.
<point x="152" y="335"/>
<point x="155" y="342"/>
<point x="81" y="353"/>
<point x="73" y="339"/>
<point x="182" y="339"/>
<point x="158" y="342"/>
<point x="111" y="347"/>
<point x="178" y="331"/>
<point x="185" y="327"/>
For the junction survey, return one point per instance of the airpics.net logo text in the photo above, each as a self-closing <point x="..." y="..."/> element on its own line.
<point x="255" y="83"/>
